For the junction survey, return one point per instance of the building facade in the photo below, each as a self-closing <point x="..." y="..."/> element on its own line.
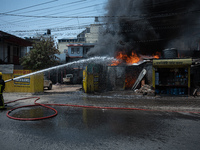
<point x="78" y="50"/>
<point x="89" y="36"/>
<point x="93" y="35"/>
<point x="12" y="48"/>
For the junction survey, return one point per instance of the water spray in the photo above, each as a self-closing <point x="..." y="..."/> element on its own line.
<point x="98" y="60"/>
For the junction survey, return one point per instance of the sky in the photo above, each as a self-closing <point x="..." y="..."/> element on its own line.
<point x="65" y="18"/>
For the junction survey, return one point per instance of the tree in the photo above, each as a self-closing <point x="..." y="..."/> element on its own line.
<point x="41" y="56"/>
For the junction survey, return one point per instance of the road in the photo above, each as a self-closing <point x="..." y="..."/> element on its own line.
<point x="81" y="128"/>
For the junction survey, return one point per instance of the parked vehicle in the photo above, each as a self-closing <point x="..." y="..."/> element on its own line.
<point x="68" y="78"/>
<point x="47" y="83"/>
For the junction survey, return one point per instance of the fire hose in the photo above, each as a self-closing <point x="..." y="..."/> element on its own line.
<point x="80" y="106"/>
<point x="36" y="104"/>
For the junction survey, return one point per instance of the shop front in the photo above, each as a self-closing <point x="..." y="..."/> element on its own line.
<point x="172" y="76"/>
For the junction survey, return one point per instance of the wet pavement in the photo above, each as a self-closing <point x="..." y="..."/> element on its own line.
<point x="81" y="128"/>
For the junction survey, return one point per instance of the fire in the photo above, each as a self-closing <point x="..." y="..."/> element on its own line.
<point x="133" y="58"/>
<point x="157" y="55"/>
<point x="129" y="81"/>
<point x="122" y="57"/>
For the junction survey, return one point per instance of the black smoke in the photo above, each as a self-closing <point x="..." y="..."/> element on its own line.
<point x="148" y="26"/>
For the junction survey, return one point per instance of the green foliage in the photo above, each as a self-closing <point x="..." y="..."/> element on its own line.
<point x="41" y="56"/>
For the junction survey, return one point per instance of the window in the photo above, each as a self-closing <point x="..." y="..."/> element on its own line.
<point x="60" y="41"/>
<point x="78" y="50"/>
<point x="72" y="50"/>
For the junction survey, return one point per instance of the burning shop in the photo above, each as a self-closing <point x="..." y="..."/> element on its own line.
<point x="118" y="76"/>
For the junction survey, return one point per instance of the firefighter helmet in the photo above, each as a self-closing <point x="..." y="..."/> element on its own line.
<point x="0" y="73"/>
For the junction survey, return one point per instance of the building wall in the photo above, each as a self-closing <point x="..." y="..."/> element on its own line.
<point x="72" y="51"/>
<point x="16" y="52"/>
<point x="62" y="44"/>
<point x="93" y="36"/>
<point x="62" y="47"/>
<point x="1" y="52"/>
<point x="89" y="35"/>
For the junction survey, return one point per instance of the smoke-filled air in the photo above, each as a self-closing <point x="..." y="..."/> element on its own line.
<point x="148" y="26"/>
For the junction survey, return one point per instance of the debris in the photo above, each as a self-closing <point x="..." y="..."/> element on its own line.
<point x="140" y="77"/>
<point x="146" y="90"/>
<point x="196" y="92"/>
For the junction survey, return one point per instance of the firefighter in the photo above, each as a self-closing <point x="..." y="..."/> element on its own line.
<point x="2" y="87"/>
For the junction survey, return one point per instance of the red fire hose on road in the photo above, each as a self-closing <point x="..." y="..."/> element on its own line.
<point x="36" y="104"/>
<point x="80" y="106"/>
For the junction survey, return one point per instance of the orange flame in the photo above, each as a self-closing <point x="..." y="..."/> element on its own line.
<point x="129" y="81"/>
<point x="157" y="55"/>
<point x="122" y="57"/>
<point x="133" y="58"/>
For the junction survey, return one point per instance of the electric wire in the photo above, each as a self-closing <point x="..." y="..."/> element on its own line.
<point x="116" y="16"/>
<point x="142" y="19"/>
<point x="31" y="6"/>
<point x="57" y="22"/>
<point x="148" y="17"/>
<point x="22" y="20"/>
<point x="81" y="8"/>
<point x="60" y="6"/>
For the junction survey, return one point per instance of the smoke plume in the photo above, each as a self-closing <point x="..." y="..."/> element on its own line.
<point x="149" y="26"/>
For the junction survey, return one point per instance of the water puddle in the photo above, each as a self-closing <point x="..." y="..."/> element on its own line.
<point x="31" y="112"/>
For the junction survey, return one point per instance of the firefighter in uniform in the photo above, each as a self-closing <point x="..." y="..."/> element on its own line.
<point x="2" y="87"/>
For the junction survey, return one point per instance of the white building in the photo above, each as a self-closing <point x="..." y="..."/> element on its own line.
<point x="93" y="35"/>
<point x="90" y="35"/>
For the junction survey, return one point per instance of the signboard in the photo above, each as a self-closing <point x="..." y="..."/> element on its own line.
<point x="22" y="81"/>
<point x="172" y="62"/>
<point x="7" y="69"/>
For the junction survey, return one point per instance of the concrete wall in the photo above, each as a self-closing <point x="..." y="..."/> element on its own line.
<point x="31" y="84"/>
<point x="62" y="46"/>
<point x="93" y="36"/>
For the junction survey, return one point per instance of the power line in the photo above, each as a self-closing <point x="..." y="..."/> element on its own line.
<point x="81" y="8"/>
<point x="151" y="17"/>
<point x="142" y="15"/>
<point x="31" y="6"/>
<point x="61" y="22"/>
<point x="128" y="30"/>
<point x="36" y="10"/>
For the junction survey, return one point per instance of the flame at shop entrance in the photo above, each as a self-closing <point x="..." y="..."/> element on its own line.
<point x="133" y="58"/>
<point x="129" y="81"/>
<point x="122" y="57"/>
<point x="129" y="60"/>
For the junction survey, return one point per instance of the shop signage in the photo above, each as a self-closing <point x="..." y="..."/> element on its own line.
<point x="22" y="81"/>
<point x="170" y="62"/>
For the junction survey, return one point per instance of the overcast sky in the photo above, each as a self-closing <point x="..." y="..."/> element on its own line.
<point x="25" y="18"/>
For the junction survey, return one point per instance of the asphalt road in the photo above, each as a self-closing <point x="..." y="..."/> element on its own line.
<point x="81" y="128"/>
